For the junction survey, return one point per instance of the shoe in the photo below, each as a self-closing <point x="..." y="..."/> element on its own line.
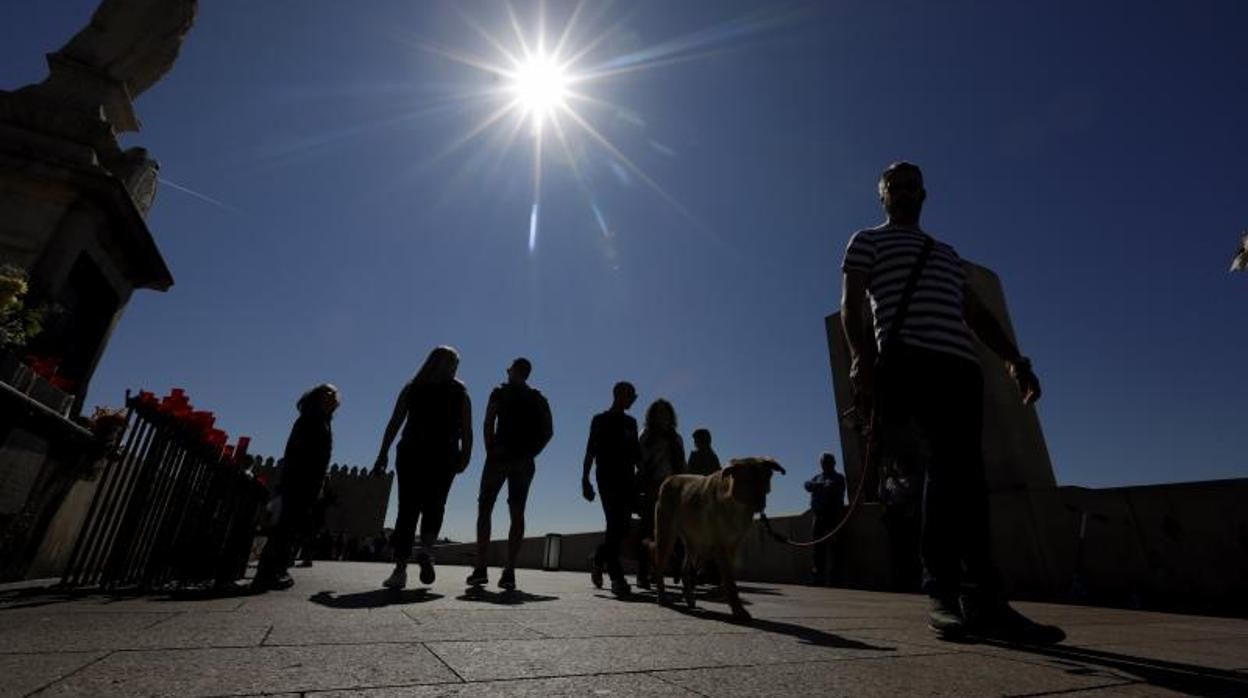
<point x="427" y="575"/>
<point x="595" y="572"/>
<point x="643" y="582"/>
<point x="945" y="617"/>
<point x="304" y="563"/>
<point x="478" y="577"/>
<point x="619" y="587"/>
<point x="998" y="621"/>
<point x="397" y="579"/>
<point x="508" y="580"/>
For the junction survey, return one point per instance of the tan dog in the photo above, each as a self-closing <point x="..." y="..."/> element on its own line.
<point x="711" y="514"/>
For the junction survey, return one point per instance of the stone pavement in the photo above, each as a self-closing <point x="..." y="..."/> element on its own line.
<point x="337" y="633"/>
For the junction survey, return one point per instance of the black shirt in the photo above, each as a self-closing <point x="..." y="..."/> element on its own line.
<point x="613" y="444"/>
<point x="434" y="417"/>
<point x="523" y="426"/>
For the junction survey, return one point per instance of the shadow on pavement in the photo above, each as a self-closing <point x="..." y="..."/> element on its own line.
<point x="36" y="597"/>
<point x="807" y="636"/>
<point x="1190" y="679"/>
<point x="375" y="598"/>
<point x="502" y="598"/>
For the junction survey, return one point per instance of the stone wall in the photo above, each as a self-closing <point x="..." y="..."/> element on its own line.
<point x="1180" y="546"/>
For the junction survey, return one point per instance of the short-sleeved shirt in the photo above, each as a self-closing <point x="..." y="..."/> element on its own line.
<point x="613" y="444"/>
<point x="662" y="454"/>
<point x="934" y="320"/>
<point x="703" y="461"/>
<point x="523" y="426"/>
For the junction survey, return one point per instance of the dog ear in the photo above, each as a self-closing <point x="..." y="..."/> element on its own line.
<point x="726" y="480"/>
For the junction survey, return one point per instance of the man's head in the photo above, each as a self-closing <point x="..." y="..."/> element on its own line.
<point x="702" y="438"/>
<point x="828" y="463"/>
<point x="624" y="395"/>
<point x="902" y="193"/>
<point x="519" y="370"/>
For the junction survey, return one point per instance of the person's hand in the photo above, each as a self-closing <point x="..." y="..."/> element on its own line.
<point x="862" y="377"/>
<point x="1028" y="383"/>
<point x="587" y="490"/>
<point x="379" y="467"/>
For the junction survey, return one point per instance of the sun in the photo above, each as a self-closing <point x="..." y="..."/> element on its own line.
<point x="540" y="86"/>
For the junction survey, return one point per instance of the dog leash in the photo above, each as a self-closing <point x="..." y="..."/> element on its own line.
<point x="867" y="462"/>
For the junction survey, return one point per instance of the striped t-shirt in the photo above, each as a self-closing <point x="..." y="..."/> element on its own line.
<point x="887" y="255"/>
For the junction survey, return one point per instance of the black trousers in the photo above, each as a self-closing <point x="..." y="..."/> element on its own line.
<point x="299" y="492"/>
<point x="827" y="552"/>
<point x="617" y="495"/>
<point x="424" y="484"/>
<point x="934" y="402"/>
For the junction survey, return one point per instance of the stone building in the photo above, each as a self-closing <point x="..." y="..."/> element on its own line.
<point x="357" y="499"/>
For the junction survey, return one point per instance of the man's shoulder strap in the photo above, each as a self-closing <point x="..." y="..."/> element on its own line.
<point x="903" y="306"/>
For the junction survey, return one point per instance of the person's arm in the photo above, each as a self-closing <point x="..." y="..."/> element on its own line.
<point x="465" y="430"/>
<point x="587" y="490"/>
<point x="548" y="422"/>
<point x="392" y="429"/>
<point x="491" y="416"/>
<point x="985" y="326"/>
<point x="858" y="337"/>
<point x="811" y="484"/>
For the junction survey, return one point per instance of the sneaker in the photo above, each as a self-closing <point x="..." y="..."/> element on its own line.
<point x="999" y="621"/>
<point x="945" y="617"/>
<point x="595" y="572"/>
<point x="619" y="587"/>
<point x="508" y="580"/>
<point x="304" y="563"/>
<point x="643" y="582"/>
<point x="478" y="577"/>
<point x="397" y="579"/>
<point x="427" y="575"/>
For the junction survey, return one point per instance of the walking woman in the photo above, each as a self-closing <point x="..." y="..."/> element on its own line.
<point x="305" y="463"/>
<point x="435" y="414"/>
<point x="662" y="454"/>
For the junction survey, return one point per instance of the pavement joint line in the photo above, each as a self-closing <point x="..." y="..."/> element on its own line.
<point x="267" y="633"/>
<point x="1083" y="689"/>
<point x="659" y="677"/>
<point x="445" y="663"/>
<point x="58" y="679"/>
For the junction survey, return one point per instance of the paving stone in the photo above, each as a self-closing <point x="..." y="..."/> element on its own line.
<point x="931" y="675"/>
<point x="604" y="685"/>
<point x="24" y="673"/>
<point x="506" y="659"/>
<point x="213" y="672"/>
<point x="633" y="628"/>
<point x="38" y="630"/>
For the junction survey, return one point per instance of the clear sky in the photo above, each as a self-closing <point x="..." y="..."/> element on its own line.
<point x="1090" y="153"/>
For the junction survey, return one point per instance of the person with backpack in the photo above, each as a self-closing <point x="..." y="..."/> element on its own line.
<point x="518" y="426"/>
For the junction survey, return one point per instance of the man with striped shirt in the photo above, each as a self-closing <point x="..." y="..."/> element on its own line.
<point x="922" y="377"/>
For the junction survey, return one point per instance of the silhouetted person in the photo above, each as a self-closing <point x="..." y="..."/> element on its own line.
<point x="827" y="504"/>
<point x="613" y="446"/>
<point x="702" y="460"/>
<point x="662" y="454"/>
<point x="517" y="428"/>
<point x="306" y="460"/>
<point x="436" y="416"/>
<point x="929" y="386"/>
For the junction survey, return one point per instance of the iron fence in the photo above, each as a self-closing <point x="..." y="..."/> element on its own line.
<point x="170" y="509"/>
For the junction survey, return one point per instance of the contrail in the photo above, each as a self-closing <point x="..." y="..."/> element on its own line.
<point x="197" y="195"/>
<point x="533" y="228"/>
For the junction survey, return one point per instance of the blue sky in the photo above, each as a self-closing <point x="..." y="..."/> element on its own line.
<point x="1090" y="153"/>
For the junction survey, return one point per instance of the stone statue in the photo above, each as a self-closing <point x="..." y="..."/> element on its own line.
<point x="127" y="47"/>
<point x="1240" y="262"/>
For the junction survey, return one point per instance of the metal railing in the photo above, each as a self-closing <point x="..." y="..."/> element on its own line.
<point x="170" y="509"/>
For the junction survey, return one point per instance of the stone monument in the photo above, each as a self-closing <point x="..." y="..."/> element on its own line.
<point x="72" y="219"/>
